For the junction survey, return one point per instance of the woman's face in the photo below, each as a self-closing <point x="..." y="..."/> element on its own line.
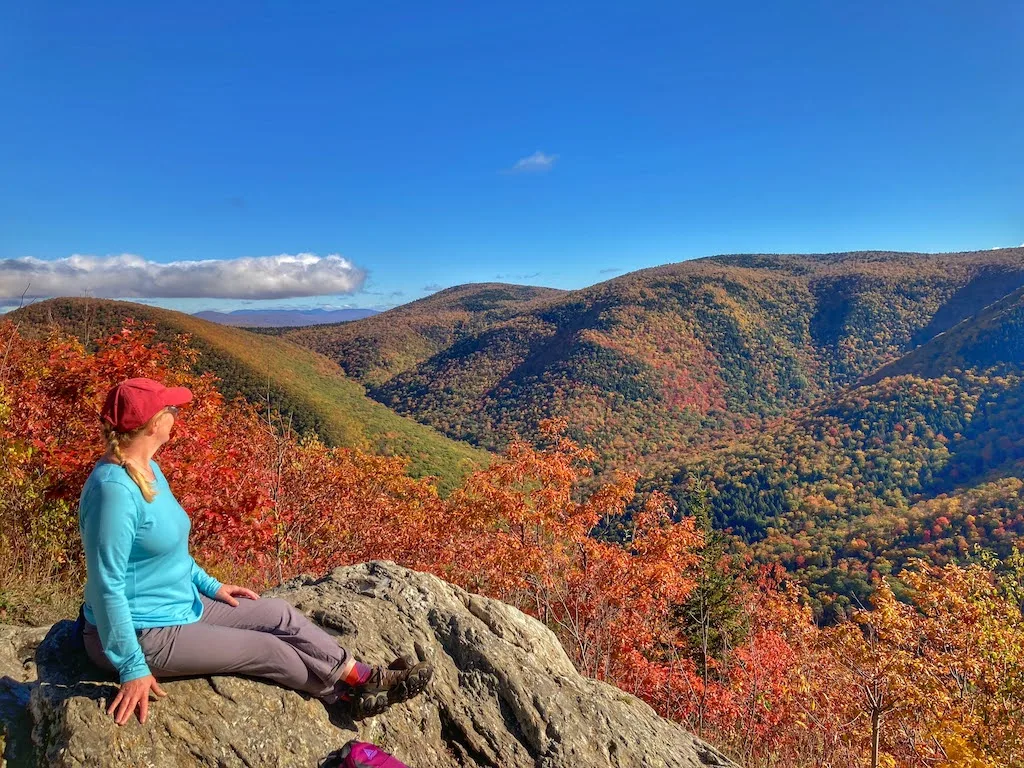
<point x="164" y="422"/>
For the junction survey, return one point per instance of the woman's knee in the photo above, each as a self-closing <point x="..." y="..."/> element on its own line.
<point x="281" y="611"/>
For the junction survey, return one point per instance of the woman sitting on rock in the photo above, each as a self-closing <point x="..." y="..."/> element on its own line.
<point x="150" y="610"/>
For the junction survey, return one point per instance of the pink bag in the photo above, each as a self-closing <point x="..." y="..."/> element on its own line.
<point x="362" y="754"/>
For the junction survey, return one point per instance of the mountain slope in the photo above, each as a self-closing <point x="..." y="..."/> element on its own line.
<point x="926" y="458"/>
<point x="992" y="338"/>
<point x="745" y="371"/>
<point x="652" y="362"/>
<point x="308" y="386"/>
<point x="375" y="349"/>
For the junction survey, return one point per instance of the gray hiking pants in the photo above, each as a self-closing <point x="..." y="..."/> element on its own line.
<point x="267" y="638"/>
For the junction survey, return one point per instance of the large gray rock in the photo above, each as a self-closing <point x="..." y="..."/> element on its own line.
<point x="17" y="679"/>
<point x="504" y="693"/>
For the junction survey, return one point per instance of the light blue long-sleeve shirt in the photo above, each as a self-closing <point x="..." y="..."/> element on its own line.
<point x="139" y="571"/>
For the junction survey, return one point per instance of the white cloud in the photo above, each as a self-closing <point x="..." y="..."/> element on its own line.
<point x="538" y="162"/>
<point x="130" y="276"/>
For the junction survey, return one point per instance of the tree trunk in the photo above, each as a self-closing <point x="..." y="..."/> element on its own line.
<point x="875" y="733"/>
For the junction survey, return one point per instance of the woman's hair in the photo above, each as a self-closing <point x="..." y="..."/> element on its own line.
<point x="116" y="439"/>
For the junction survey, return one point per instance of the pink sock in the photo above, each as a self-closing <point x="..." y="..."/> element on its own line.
<point x="358" y="675"/>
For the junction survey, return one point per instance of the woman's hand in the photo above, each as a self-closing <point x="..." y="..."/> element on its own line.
<point x="134" y="694"/>
<point x="226" y="592"/>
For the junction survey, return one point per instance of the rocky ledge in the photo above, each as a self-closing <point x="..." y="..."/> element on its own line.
<point x="504" y="693"/>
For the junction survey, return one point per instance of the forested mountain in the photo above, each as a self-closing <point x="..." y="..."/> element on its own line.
<point x="375" y="349"/>
<point x="849" y="410"/>
<point x="850" y="489"/>
<point x="312" y="390"/>
<point x="992" y="338"/>
<point x="924" y="458"/>
<point x="656" y="361"/>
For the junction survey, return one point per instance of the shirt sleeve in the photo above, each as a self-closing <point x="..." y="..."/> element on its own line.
<point x="109" y="526"/>
<point x="204" y="581"/>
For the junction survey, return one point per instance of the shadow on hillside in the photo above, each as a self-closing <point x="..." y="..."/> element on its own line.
<point x="987" y="287"/>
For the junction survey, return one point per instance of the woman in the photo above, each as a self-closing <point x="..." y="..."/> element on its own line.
<point x="150" y="610"/>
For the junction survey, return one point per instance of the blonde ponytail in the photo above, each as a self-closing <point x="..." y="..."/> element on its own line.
<point x="114" y="440"/>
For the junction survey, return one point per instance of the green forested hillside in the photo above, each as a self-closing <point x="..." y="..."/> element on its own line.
<point x="848" y="490"/>
<point x="311" y="389"/>
<point x="992" y="338"/>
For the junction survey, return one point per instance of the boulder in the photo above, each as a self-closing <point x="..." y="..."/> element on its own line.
<point x="17" y="679"/>
<point x="504" y="693"/>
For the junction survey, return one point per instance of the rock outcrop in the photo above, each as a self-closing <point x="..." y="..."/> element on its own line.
<point x="504" y="693"/>
<point x="17" y="679"/>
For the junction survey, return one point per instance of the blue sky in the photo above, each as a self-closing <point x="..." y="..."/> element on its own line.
<point x="409" y="146"/>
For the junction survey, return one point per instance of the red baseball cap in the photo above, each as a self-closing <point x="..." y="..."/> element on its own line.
<point x="133" y="402"/>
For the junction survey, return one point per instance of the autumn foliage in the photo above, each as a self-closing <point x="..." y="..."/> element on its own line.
<point x="933" y="680"/>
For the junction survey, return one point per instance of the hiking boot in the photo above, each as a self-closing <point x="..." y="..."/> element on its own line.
<point x="389" y="685"/>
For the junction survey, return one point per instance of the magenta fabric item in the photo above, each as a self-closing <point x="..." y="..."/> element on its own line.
<point x="359" y="674"/>
<point x="366" y="755"/>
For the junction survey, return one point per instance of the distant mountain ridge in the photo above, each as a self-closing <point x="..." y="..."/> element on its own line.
<point x="279" y="318"/>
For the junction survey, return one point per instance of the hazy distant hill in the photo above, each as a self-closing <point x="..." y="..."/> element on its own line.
<point x="279" y="318"/>
<point x="310" y="387"/>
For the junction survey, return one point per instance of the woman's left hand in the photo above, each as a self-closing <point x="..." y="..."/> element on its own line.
<point x="227" y="591"/>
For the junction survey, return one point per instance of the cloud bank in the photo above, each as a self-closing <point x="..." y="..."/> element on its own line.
<point x="538" y="162"/>
<point x="130" y="276"/>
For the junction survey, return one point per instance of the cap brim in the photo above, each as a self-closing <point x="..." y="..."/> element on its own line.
<point x="176" y="395"/>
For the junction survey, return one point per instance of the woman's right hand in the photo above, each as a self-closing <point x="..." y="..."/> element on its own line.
<point x="134" y="694"/>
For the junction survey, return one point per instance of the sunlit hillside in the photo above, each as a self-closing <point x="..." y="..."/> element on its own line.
<point x="313" y="390"/>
